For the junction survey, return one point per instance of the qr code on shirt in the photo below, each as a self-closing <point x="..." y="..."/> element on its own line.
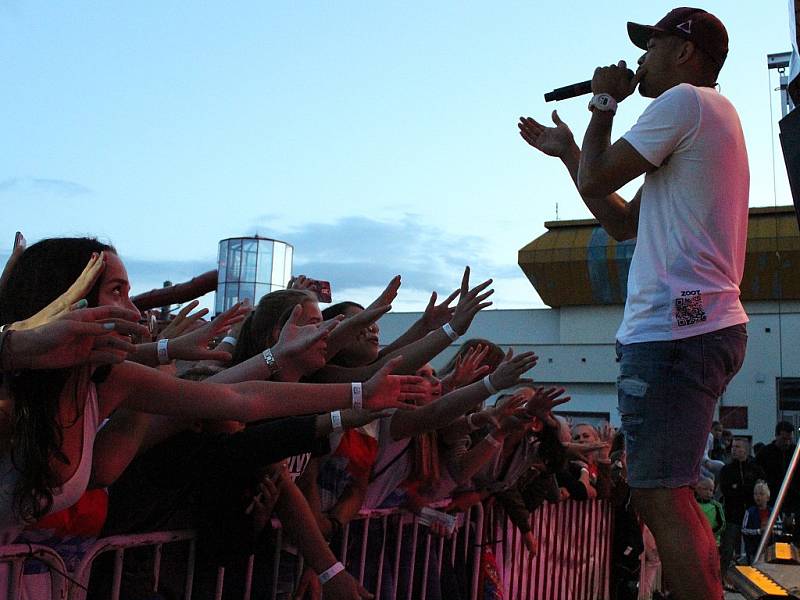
<point x="689" y="308"/>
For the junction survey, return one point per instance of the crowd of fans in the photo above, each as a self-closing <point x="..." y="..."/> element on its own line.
<point x="113" y="422"/>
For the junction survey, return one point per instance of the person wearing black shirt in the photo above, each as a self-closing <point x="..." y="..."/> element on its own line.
<point x="737" y="480"/>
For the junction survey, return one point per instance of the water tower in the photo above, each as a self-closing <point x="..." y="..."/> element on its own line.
<point x="249" y="267"/>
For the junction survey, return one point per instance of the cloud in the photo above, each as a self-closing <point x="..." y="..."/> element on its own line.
<point x="359" y="255"/>
<point x="54" y="187"/>
<point x="360" y="252"/>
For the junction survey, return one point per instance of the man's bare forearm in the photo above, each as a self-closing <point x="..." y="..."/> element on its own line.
<point x="612" y="211"/>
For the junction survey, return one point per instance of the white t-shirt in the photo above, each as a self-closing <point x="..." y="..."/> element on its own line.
<point x="689" y="257"/>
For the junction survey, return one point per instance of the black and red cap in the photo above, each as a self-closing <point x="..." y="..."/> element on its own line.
<point x="693" y="24"/>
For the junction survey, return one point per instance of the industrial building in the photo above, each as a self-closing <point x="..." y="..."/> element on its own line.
<point x="581" y="274"/>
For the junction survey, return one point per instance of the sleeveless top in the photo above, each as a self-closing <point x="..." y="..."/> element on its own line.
<point x="64" y="496"/>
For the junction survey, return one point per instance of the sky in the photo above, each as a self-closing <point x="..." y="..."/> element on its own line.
<point x="378" y="138"/>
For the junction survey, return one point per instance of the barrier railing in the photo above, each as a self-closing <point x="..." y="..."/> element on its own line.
<point x="573" y="557"/>
<point x="118" y="544"/>
<point x="12" y="562"/>
<point x="392" y="553"/>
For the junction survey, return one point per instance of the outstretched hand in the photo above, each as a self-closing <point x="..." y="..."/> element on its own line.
<point x="555" y="141"/>
<point x="90" y="335"/>
<point x="542" y="403"/>
<point x="469" y="368"/>
<point x="384" y="390"/>
<point x="388" y="295"/>
<point x="436" y="315"/>
<point x="304" y="345"/>
<point x="470" y="302"/>
<point x="194" y="344"/>
<point x="509" y="372"/>
<point x="183" y="322"/>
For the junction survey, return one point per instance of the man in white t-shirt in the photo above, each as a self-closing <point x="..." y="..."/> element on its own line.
<point x="683" y="336"/>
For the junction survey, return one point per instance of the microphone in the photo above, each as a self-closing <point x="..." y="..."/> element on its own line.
<point x="571" y="91"/>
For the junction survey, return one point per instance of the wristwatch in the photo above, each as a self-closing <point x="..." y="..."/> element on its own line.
<point x="603" y="102"/>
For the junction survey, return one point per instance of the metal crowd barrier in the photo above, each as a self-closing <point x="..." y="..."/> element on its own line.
<point x="118" y="544"/>
<point x="393" y="554"/>
<point x="464" y="544"/>
<point x="12" y="562"/>
<point x="573" y="558"/>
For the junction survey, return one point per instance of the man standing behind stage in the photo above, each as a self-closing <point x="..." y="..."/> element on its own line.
<point x="682" y="337"/>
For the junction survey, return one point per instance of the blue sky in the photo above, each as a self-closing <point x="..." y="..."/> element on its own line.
<point x="377" y="137"/>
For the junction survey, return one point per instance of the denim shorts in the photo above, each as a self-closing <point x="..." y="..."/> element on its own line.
<point x="667" y="393"/>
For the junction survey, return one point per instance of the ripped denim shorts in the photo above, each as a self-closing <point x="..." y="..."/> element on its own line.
<point x="667" y="393"/>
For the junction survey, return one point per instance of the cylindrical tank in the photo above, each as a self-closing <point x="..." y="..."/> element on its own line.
<point x="249" y="267"/>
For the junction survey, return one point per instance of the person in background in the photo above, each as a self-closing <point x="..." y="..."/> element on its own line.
<point x="755" y="519"/>
<point x="704" y="494"/>
<point x="717" y="451"/>
<point x="774" y="458"/>
<point x="736" y="482"/>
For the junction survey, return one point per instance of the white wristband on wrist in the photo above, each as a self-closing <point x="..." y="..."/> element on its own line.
<point x="358" y="395"/>
<point x="451" y="333"/>
<point x="330" y="572"/>
<point x="487" y="383"/>
<point x="163" y="354"/>
<point x="230" y="340"/>
<point x="336" y="421"/>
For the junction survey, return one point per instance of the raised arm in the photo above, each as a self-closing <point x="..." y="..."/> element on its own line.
<point x="435" y="316"/>
<point x="470" y="302"/>
<point x="296" y="343"/>
<point x="450" y="407"/>
<point x="189" y="340"/>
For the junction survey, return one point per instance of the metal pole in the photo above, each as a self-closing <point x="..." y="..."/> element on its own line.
<point x="787" y="480"/>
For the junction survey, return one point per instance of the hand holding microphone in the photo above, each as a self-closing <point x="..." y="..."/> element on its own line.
<point x="617" y="81"/>
<point x="619" y="70"/>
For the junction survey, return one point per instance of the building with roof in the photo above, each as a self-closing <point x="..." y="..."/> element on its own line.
<point x="581" y="274"/>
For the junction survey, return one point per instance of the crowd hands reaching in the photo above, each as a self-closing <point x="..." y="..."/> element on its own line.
<point x="275" y="410"/>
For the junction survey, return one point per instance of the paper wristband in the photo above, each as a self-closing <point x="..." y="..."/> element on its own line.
<point x="358" y="395"/>
<point x="163" y="355"/>
<point x="488" y="385"/>
<point x="451" y="333"/>
<point x="336" y="420"/>
<point x="229" y="339"/>
<point x="330" y="572"/>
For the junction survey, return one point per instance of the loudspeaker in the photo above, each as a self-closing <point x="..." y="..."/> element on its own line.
<point x="790" y="142"/>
